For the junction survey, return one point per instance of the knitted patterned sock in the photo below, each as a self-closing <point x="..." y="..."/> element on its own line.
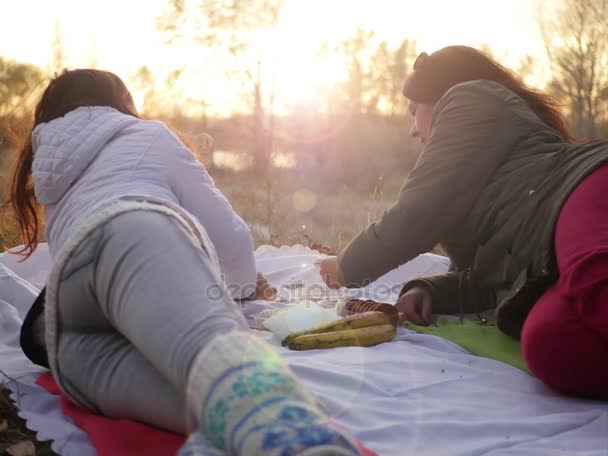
<point x="247" y="402"/>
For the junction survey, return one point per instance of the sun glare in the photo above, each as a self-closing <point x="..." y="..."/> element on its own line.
<point x="296" y="72"/>
<point x="309" y="85"/>
<point x="294" y="67"/>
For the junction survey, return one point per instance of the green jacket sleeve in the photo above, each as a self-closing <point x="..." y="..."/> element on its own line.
<point x="470" y="138"/>
<point x="454" y="292"/>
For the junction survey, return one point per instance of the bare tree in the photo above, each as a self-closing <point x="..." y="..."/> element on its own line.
<point x="58" y="61"/>
<point x="380" y="79"/>
<point x="576" y="42"/>
<point x="162" y="96"/>
<point x="526" y="67"/>
<point x="224" y="23"/>
<point x="375" y="76"/>
<point x="18" y="81"/>
<point x="227" y="24"/>
<point x="355" y="51"/>
<point x="599" y="9"/>
<point x="402" y="61"/>
<point x="19" y="84"/>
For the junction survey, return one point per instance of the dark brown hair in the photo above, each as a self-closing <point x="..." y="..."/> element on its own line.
<point x="70" y="90"/>
<point x="435" y="74"/>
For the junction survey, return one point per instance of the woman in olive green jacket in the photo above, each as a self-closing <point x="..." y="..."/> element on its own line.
<point x="521" y="211"/>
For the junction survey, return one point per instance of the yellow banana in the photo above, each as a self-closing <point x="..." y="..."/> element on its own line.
<point x="362" y="320"/>
<point x="360" y="337"/>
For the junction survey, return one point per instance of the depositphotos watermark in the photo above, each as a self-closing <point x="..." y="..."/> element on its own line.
<point x="297" y="290"/>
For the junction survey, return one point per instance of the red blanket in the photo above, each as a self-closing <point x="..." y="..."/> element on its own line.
<point x="122" y="437"/>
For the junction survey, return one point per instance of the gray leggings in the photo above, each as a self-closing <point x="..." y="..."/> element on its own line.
<point x="136" y="304"/>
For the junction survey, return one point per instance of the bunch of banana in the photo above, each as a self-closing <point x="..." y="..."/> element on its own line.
<point x="360" y="330"/>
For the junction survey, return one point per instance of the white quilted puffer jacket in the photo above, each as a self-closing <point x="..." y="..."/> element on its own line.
<point x="94" y="156"/>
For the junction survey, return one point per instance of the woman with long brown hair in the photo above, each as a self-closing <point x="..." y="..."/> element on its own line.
<point x="521" y="211"/>
<point x="139" y="320"/>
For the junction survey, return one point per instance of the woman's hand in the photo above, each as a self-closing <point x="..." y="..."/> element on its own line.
<point x="264" y="290"/>
<point x="329" y="272"/>
<point x="415" y="306"/>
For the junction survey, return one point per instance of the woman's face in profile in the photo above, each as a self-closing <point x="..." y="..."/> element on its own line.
<point x="422" y="113"/>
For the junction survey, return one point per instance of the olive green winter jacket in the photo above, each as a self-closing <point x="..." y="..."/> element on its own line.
<point x="488" y="187"/>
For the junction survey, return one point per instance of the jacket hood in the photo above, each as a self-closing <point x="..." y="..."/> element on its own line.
<point x="65" y="147"/>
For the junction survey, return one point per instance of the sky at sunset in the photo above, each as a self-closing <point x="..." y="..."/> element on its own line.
<point x="121" y="36"/>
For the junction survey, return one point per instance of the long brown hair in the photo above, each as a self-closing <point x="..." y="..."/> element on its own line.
<point x="436" y="73"/>
<point x="70" y="90"/>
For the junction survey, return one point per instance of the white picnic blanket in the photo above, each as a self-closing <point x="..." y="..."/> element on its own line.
<point x="420" y="395"/>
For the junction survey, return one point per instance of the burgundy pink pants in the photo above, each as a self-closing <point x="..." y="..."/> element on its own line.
<point x="565" y="337"/>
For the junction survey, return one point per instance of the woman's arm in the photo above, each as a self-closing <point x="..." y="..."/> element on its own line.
<point x="230" y="235"/>
<point x="471" y="137"/>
